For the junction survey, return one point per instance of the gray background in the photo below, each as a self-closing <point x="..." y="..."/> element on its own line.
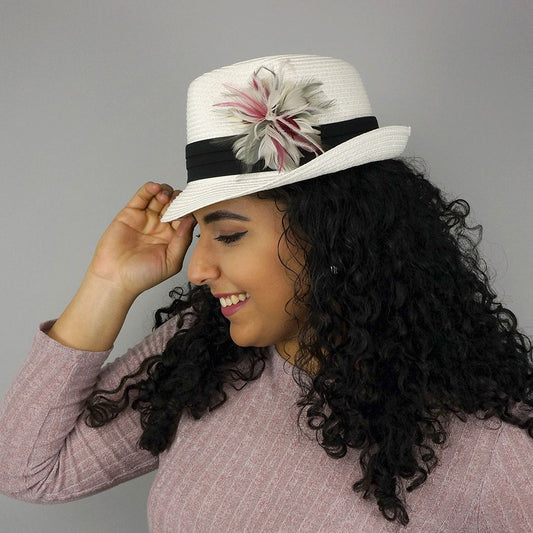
<point x="92" y="105"/>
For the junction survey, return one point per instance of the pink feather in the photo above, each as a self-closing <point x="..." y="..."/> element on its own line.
<point x="260" y="108"/>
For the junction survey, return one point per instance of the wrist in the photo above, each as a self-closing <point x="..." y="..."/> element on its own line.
<point x="107" y="291"/>
<point x="94" y="317"/>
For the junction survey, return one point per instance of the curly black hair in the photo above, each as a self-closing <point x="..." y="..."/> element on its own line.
<point x="403" y="332"/>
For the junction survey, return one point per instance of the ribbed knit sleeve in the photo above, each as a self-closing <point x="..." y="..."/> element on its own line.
<point x="47" y="452"/>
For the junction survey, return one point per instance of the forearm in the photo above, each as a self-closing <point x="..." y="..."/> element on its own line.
<point x="47" y="451"/>
<point x="135" y="253"/>
<point x="94" y="317"/>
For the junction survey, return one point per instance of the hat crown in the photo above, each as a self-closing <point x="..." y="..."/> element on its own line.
<point x="340" y="83"/>
<point x="277" y="105"/>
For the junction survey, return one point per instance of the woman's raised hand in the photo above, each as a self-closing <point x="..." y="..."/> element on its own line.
<point x="138" y="251"/>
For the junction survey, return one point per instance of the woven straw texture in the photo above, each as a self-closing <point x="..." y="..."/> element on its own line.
<point x="340" y="82"/>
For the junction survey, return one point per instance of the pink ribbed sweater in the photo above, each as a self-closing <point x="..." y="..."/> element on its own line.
<point x="243" y="467"/>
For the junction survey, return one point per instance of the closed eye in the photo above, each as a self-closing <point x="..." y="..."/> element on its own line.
<point x="228" y="239"/>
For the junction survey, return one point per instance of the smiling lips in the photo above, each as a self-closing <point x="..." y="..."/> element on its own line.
<point x="231" y="303"/>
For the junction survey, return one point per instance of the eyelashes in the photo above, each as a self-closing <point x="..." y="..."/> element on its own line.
<point x="229" y="239"/>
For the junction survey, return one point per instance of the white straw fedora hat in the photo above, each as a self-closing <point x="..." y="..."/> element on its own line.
<point x="272" y="121"/>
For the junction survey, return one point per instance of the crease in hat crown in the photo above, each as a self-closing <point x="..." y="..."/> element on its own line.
<point x="340" y="83"/>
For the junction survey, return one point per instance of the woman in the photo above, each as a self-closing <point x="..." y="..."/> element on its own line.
<point x="323" y="260"/>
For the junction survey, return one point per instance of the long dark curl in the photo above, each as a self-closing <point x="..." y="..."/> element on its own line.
<point x="191" y="374"/>
<point x="403" y="331"/>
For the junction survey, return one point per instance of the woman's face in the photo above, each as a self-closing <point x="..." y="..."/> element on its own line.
<point x="237" y="257"/>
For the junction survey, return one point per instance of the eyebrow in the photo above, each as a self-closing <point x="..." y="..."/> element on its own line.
<point x="224" y="215"/>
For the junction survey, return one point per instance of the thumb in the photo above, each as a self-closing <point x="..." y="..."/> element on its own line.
<point x="181" y="240"/>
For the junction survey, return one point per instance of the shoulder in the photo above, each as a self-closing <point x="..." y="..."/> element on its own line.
<point x="152" y="345"/>
<point x="511" y="462"/>
<point x="514" y="443"/>
<point x="506" y="495"/>
<point x="156" y="341"/>
<point x="494" y="444"/>
<point x="483" y="483"/>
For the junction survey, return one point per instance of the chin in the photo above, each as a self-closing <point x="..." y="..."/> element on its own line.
<point x="246" y="339"/>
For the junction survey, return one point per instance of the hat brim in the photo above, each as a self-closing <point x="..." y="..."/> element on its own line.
<point x="376" y="145"/>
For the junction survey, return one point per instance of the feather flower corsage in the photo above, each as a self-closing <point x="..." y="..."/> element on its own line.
<point x="278" y="118"/>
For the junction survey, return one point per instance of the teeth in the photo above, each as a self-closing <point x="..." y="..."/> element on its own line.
<point x="226" y="301"/>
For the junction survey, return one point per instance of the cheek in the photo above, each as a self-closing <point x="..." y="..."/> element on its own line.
<point x="258" y="268"/>
<point x="275" y="299"/>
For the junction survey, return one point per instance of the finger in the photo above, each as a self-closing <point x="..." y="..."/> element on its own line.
<point x="144" y="195"/>
<point x="161" y="199"/>
<point x="174" y="195"/>
<point x="180" y="242"/>
<point x="183" y="226"/>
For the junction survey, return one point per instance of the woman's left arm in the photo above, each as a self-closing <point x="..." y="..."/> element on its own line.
<point x="47" y="452"/>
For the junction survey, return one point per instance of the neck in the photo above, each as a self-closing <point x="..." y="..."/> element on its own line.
<point x="289" y="349"/>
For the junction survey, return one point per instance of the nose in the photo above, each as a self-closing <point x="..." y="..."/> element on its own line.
<point x="203" y="267"/>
